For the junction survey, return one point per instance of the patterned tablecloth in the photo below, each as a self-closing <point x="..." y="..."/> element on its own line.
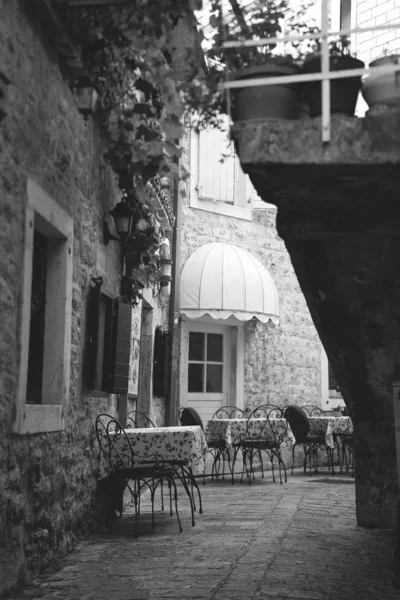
<point x="186" y="442"/>
<point x="330" y="426"/>
<point x="234" y="430"/>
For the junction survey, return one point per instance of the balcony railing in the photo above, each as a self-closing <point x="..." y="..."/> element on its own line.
<point x="325" y="74"/>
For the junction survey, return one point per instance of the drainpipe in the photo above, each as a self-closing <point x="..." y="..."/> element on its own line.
<point x="174" y="341"/>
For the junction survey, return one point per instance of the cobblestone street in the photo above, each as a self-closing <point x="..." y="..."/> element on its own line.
<point x="265" y="541"/>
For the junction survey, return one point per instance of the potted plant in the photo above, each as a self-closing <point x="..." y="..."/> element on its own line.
<point x="255" y="20"/>
<point x="382" y="88"/>
<point x="344" y="92"/>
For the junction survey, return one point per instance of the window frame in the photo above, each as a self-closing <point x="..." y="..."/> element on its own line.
<point x="45" y="215"/>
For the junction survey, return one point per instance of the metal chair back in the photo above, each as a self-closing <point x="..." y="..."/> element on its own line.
<point x="228" y="412"/>
<point x="136" y="419"/>
<point x="190" y="416"/>
<point x="313" y="411"/>
<point x="267" y="432"/>
<point x="109" y="433"/>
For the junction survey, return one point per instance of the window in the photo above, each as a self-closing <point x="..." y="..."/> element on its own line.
<point x="45" y="327"/>
<point x="218" y="183"/>
<point x="97" y="365"/>
<point x="205" y="362"/>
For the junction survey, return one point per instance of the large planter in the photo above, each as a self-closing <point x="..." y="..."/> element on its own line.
<point x="344" y="92"/>
<point x="266" y="101"/>
<point x="382" y="88"/>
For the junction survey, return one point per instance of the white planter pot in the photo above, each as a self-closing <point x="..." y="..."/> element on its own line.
<point x="382" y="88"/>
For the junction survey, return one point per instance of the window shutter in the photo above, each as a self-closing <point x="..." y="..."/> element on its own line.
<point x="217" y="167"/>
<point x="92" y="333"/>
<point x="160" y="364"/>
<point x="122" y="346"/>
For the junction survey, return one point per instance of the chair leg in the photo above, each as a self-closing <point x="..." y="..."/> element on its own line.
<point x="184" y="478"/>
<point x="273" y="466"/>
<point x="293" y="449"/>
<point x="176" y="505"/>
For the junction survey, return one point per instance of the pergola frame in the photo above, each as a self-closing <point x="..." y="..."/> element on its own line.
<point x="325" y="74"/>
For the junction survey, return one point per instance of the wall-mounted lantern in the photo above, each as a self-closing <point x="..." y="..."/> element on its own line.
<point x="85" y="94"/>
<point x="123" y="216"/>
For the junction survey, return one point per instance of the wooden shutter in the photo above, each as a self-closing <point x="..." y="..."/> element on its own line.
<point x="217" y="180"/>
<point x="92" y="341"/>
<point x="160" y="363"/>
<point x="122" y="347"/>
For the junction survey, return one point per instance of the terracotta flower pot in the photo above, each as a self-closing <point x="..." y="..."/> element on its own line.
<point x="382" y="88"/>
<point x="344" y="92"/>
<point x="267" y="101"/>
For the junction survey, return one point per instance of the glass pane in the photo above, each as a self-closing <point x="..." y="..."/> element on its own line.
<point x="196" y="377"/>
<point x="196" y="345"/>
<point x="214" y="347"/>
<point x="214" y="379"/>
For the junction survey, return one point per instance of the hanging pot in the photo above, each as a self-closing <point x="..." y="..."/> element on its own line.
<point x="266" y="101"/>
<point x="344" y="92"/>
<point x="382" y="88"/>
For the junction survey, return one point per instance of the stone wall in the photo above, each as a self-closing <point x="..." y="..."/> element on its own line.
<point x="48" y="481"/>
<point x="282" y="364"/>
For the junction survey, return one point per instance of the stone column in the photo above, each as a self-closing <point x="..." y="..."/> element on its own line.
<point x="396" y="406"/>
<point x="339" y="215"/>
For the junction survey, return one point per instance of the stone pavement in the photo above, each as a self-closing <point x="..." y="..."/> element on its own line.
<point x="266" y="541"/>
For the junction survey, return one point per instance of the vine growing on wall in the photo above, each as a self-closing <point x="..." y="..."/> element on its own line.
<point x="126" y="51"/>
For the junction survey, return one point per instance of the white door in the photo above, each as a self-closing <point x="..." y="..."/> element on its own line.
<point x="207" y="375"/>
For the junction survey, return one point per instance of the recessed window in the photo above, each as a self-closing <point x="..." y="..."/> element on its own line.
<point x="98" y="361"/>
<point x="45" y="327"/>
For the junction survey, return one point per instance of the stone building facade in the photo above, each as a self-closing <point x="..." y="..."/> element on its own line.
<point x="53" y="180"/>
<point x="281" y="364"/>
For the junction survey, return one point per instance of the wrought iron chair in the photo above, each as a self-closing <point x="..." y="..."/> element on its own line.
<point x="310" y="441"/>
<point x="137" y="419"/>
<point x="265" y="438"/>
<point x="344" y="443"/>
<point x="189" y="416"/>
<point x="129" y="470"/>
<point x="218" y="447"/>
<point x="315" y="411"/>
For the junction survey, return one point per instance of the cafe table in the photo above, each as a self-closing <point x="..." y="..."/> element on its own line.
<point x="330" y="427"/>
<point x="232" y="431"/>
<point x="171" y="443"/>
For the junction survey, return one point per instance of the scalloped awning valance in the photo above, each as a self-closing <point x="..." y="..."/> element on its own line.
<point x="222" y="280"/>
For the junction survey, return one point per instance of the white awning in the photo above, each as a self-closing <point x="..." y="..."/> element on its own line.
<point x="225" y="281"/>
